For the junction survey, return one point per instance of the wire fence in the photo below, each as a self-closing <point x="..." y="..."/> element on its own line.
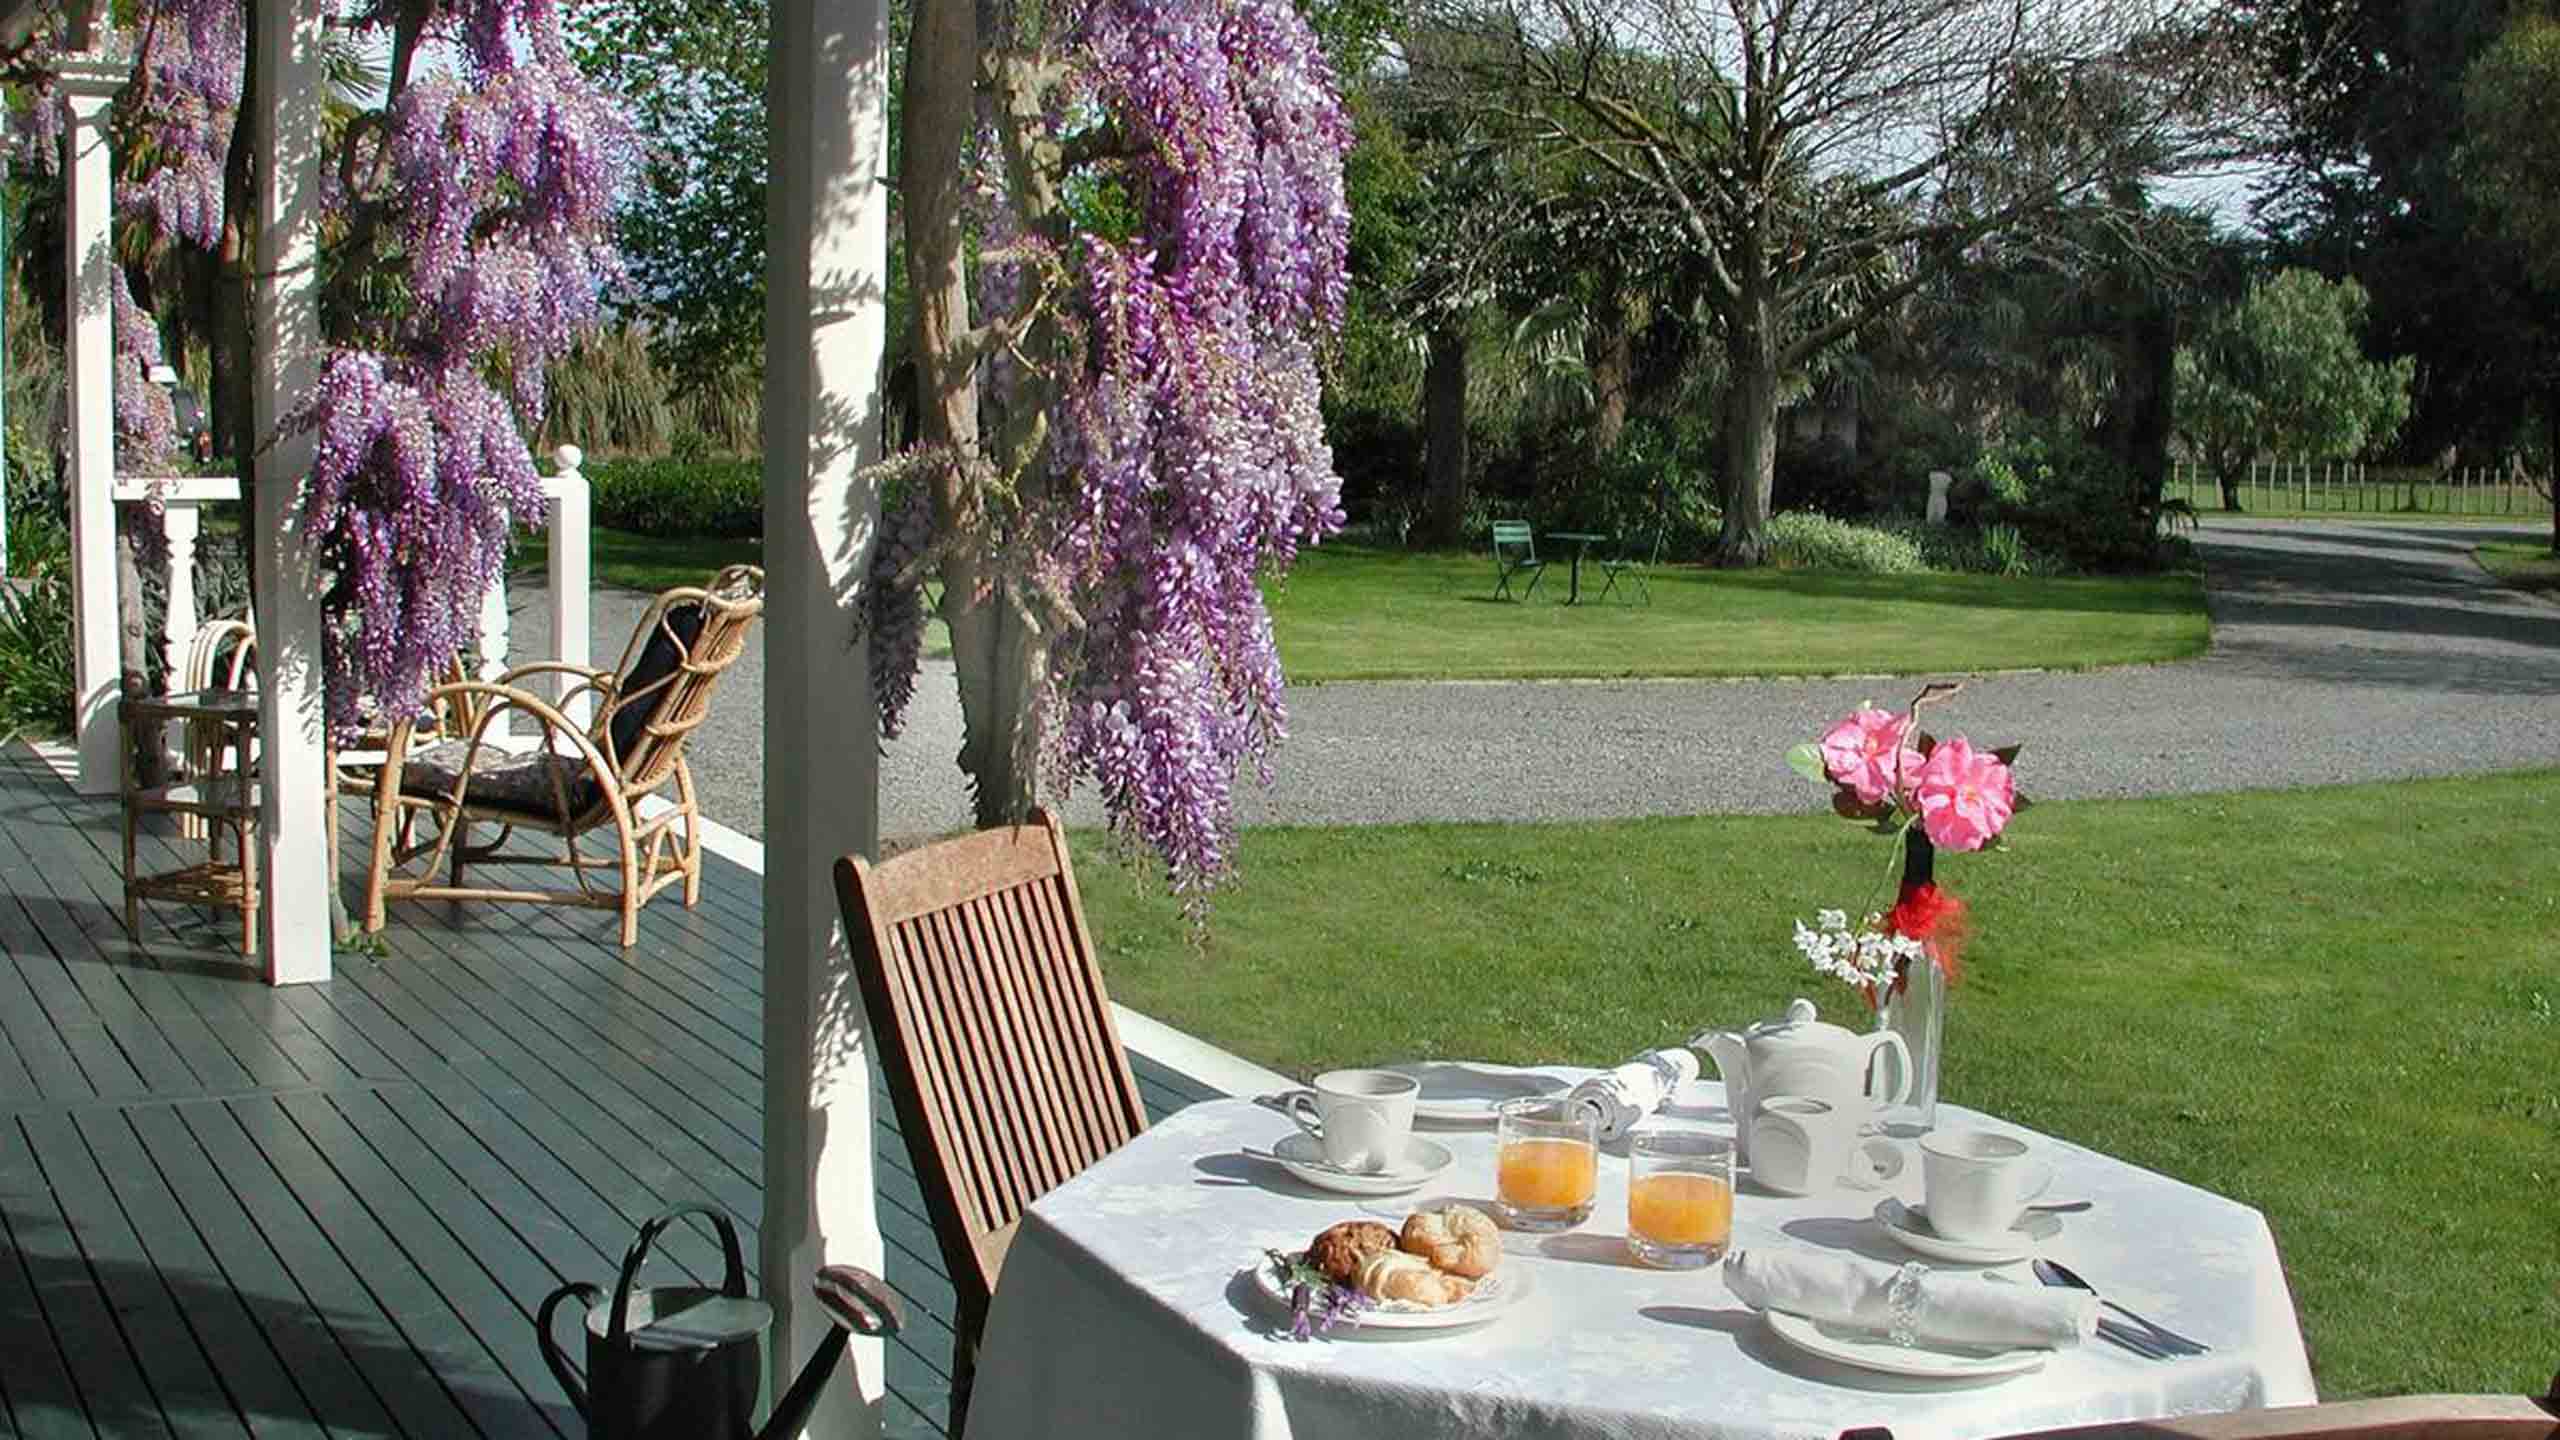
<point x="2326" y="487"/>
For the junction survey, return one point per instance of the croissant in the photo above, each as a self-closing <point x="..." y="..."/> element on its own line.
<point x="1458" y="1239"/>
<point x="1395" y="1275"/>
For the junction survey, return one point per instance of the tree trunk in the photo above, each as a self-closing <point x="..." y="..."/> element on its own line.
<point x="1750" y="434"/>
<point x="2230" y="490"/>
<point x="1444" y="432"/>
<point x="1608" y="353"/>
<point x="2551" y="484"/>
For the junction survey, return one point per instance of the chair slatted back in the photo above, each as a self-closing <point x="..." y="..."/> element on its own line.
<point x="699" y="633"/>
<point x="995" y="1032"/>
<point x="1511" y="536"/>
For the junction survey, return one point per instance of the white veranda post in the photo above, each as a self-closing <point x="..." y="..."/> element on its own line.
<point x="828" y="256"/>
<point x="293" y="849"/>
<point x="89" y="85"/>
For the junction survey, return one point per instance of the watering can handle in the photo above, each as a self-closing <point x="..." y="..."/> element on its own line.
<point x="733" y="1284"/>
<point x="552" y="1355"/>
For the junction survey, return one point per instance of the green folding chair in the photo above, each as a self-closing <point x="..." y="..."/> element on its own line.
<point x="1515" y="551"/>
<point x="1623" y="559"/>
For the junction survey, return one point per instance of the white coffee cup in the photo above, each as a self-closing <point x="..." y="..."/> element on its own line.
<point x="1978" y="1183"/>
<point x="1801" y="1146"/>
<point x="1363" y="1118"/>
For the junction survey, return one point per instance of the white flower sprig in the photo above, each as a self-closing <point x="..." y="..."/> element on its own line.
<point x="1868" y="956"/>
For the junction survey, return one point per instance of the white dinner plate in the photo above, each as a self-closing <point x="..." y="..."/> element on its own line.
<point x="1464" y="1092"/>
<point x="1494" y="1294"/>
<point x="1869" y="1351"/>
<point x="1302" y="1155"/>
<point x="1909" y="1227"/>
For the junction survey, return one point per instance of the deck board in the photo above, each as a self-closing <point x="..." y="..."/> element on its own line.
<point x="332" y="1209"/>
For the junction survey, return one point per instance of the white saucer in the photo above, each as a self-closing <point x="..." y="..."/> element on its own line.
<point x="1874" y="1352"/>
<point x="1909" y="1226"/>
<point x="1302" y="1155"/>
<point x="1464" y="1092"/>
<point x="1505" y="1287"/>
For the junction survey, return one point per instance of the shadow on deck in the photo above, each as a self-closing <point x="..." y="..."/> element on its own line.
<point x="331" y="1209"/>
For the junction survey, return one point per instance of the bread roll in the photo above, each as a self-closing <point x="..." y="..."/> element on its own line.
<point x="1395" y="1275"/>
<point x="1458" y="1239"/>
<point x="1340" y="1251"/>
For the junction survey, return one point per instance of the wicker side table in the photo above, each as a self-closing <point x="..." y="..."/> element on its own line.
<point x="223" y="795"/>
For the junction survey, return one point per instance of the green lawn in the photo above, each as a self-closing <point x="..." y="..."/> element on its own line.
<point x="643" y="562"/>
<point x="2526" y="567"/>
<point x="1352" y="613"/>
<point x="2337" y="1005"/>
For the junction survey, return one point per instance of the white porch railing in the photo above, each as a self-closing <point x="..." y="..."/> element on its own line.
<point x="568" y="563"/>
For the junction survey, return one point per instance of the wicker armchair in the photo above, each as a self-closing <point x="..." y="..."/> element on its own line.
<point x="564" y="780"/>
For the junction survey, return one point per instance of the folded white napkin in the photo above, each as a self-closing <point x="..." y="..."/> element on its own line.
<point x="1636" y="1089"/>
<point x="1945" y="1309"/>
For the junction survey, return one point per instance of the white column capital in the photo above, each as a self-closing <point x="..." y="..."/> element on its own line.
<point x="89" y="82"/>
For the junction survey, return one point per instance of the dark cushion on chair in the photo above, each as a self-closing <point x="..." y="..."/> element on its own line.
<point x="502" y="779"/>
<point x="669" y="642"/>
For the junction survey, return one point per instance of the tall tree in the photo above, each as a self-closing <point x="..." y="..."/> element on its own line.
<point x="692" y="75"/>
<point x="2511" y="166"/>
<point x="2371" y="186"/>
<point x="2283" y="372"/>
<point x="1823" y="158"/>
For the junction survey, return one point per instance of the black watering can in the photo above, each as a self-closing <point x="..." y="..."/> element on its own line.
<point x="685" y="1362"/>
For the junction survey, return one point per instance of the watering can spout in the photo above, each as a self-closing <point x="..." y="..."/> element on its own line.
<point x="857" y="1304"/>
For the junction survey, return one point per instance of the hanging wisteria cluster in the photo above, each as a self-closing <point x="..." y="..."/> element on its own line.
<point x="1191" y="439"/>
<point x="498" y="182"/>
<point x="186" y="101"/>
<point x="486" y="187"/>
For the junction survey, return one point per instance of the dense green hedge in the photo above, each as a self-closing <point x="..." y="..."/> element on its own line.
<point x="710" y="498"/>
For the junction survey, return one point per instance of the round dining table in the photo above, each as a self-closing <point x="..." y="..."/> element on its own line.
<point x="1128" y="1306"/>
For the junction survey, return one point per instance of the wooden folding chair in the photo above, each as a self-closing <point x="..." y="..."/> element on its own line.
<point x="995" y="1036"/>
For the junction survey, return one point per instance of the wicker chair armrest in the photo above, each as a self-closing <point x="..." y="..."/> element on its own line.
<point x="487" y="702"/>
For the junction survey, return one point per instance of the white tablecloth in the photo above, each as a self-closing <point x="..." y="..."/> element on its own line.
<point x="1125" y="1311"/>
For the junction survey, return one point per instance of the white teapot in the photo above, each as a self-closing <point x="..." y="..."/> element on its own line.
<point x="1797" y="1054"/>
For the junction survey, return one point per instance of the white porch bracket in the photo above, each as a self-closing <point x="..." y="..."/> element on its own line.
<point x="89" y="84"/>
<point x="827" y="256"/>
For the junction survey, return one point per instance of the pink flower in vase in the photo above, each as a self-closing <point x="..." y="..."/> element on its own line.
<point x="1964" y="795"/>
<point x="1867" y="753"/>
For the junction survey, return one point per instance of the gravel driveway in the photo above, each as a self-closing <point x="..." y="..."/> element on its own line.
<point x="2341" y="652"/>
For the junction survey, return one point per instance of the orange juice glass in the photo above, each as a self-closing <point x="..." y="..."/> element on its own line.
<point x="1679" y="1198"/>
<point x="1546" y="1163"/>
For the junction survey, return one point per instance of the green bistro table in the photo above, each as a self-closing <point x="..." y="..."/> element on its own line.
<point x="1582" y="540"/>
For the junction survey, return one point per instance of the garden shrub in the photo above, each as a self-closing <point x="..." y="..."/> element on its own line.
<point x="37" y="682"/>
<point x="2068" y="499"/>
<point x="1803" y="540"/>
<point x="721" y="499"/>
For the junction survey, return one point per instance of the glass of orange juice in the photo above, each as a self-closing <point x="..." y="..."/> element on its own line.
<point x="1546" y="1162"/>
<point x="1679" y="1197"/>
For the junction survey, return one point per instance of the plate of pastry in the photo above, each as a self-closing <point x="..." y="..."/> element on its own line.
<point x="1465" y="1092"/>
<point x="1442" y="1271"/>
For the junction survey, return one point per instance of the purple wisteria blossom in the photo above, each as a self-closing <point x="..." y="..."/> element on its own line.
<point x="1192" y="438"/>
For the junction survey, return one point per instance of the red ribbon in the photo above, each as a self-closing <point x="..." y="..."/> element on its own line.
<point x="1935" y="918"/>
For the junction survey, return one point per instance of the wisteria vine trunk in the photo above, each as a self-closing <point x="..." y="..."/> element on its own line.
<point x="1120" y="431"/>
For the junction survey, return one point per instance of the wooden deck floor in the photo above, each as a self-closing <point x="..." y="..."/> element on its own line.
<point x="331" y="1209"/>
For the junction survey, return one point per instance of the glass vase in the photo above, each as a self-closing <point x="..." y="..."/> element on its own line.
<point x="1917" y="1008"/>
<point x="1918" y="1013"/>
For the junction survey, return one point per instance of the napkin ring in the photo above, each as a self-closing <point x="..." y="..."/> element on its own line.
<point x="1902" y="1305"/>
